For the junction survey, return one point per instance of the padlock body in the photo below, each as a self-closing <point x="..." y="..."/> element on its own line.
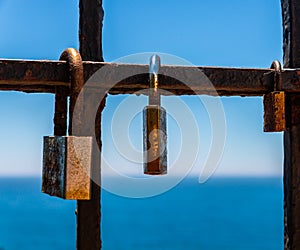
<point x="67" y="167"/>
<point x="155" y="140"/>
<point x="274" y="112"/>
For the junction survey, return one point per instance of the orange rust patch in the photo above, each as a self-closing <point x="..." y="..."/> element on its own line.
<point x="274" y="112"/>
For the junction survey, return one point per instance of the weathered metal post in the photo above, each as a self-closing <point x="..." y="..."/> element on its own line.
<point x="291" y="44"/>
<point x="88" y="212"/>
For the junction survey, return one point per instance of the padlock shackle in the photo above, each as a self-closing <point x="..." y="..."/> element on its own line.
<point x="154" y="95"/>
<point x="276" y="65"/>
<point x="74" y="60"/>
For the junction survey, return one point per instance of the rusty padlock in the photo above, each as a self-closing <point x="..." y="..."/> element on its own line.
<point x="274" y="104"/>
<point x="66" y="167"/>
<point x="67" y="159"/>
<point x="154" y="126"/>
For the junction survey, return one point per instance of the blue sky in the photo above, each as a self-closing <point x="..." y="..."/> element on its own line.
<point x="213" y="33"/>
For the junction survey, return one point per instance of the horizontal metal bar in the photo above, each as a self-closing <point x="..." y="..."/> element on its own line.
<point x="46" y="76"/>
<point x="33" y="76"/>
<point x="183" y="80"/>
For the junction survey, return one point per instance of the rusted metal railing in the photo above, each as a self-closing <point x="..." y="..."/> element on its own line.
<point x="53" y="77"/>
<point x="47" y="76"/>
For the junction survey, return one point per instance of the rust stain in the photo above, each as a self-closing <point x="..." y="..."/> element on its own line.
<point x="28" y="75"/>
<point x="67" y="167"/>
<point x="274" y="112"/>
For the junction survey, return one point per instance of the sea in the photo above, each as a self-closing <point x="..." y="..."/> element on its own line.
<point x="224" y="213"/>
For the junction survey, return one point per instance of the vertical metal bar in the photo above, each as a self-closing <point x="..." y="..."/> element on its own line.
<point x="61" y="111"/>
<point x="88" y="212"/>
<point x="291" y="44"/>
<point x="90" y="30"/>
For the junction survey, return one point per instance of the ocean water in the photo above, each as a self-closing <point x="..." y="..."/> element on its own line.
<point x="223" y="213"/>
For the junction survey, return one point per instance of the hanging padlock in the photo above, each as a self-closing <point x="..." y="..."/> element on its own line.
<point x="274" y="104"/>
<point x="154" y="126"/>
<point x="67" y="159"/>
<point x="66" y="167"/>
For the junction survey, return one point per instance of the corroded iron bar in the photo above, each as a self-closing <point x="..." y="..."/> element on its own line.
<point x="291" y="46"/>
<point x="90" y="29"/>
<point x="45" y="76"/>
<point x="61" y="111"/>
<point x="33" y="76"/>
<point x="89" y="212"/>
